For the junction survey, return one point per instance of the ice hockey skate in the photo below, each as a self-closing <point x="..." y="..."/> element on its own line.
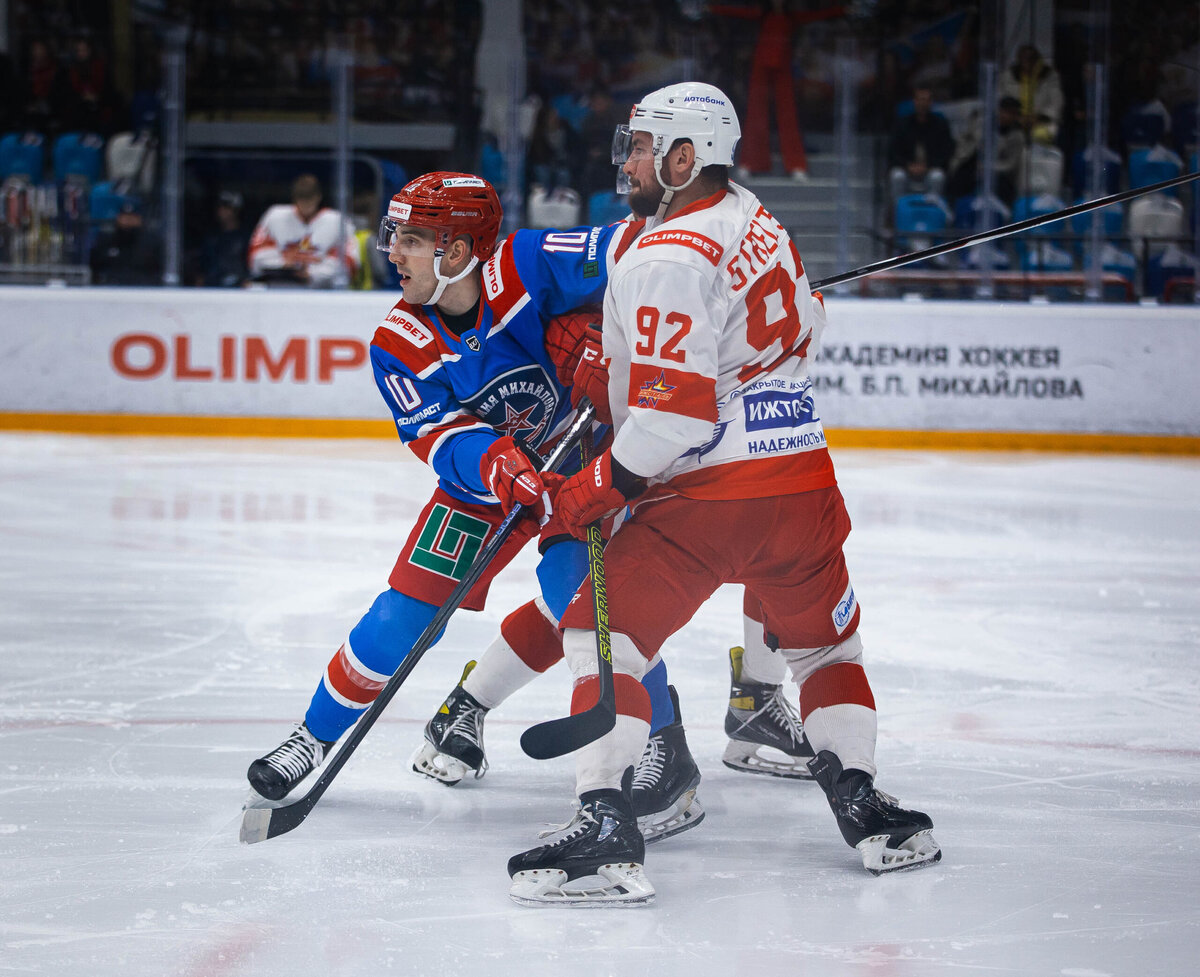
<point x="453" y="744"/>
<point x="665" y="781"/>
<point x="276" y="774"/>
<point x="763" y="727"/>
<point x="887" y="837"/>
<point x="596" y="860"/>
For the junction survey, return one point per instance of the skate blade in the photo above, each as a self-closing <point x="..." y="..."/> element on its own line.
<point x="667" y="824"/>
<point x="745" y="757"/>
<point x="914" y="852"/>
<point x="431" y="763"/>
<point x="618" y="885"/>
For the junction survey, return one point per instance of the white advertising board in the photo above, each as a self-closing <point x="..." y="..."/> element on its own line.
<point x="969" y="366"/>
<point x="884" y="365"/>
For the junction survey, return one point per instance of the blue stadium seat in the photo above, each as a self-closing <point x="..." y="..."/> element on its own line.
<point x="606" y="207"/>
<point x="1035" y="255"/>
<point x="79" y="155"/>
<point x="1035" y="206"/>
<point x="1081" y="172"/>
<point x="975" y="213"/>
<point x="920" y="222"/>
<point x="1172" y="262"/>
<point x="921" y="213"/>
<point x="21" y="154"/>
<point x="106" y="202"/>
<point x="1112" y="224"/>
<point x="1114" y="259"/>
<point x="968" y="211"/>
<point x="1154" y="165"/>
<point x="1143" y="125"/>
<point x="1185" y="127"/>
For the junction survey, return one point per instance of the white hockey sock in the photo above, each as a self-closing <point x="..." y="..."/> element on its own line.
<point x="601" y="764"/>
<point x="837" y="707"/>
<point x="527" y="645"/>
<point x="498" y="675"/>
<point x="845" y="730"/>
<point x="759" y="663"/>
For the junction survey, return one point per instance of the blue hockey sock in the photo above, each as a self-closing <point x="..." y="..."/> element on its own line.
<point x="377" y="646"/>
<point x="563" y="567"/>
<point x="662" y="713"/>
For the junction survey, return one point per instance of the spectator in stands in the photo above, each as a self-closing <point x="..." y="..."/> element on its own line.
<point x="1147" y="122"/>
<point x="920" y="149"/>
<point x="595" y="138"/>
<point x="223" y="251"/>
<point x="90" y="102"/>
<point x="1010" y="144"/>
<point x="9" y="95"/>
<point x="128" y="252"/>
<point x="40" y="89"/>
<point x="1036" y="86"/>
<point x="303" y="243"/>
<point x="771" y="79"/>
<point x="551" y="150"/>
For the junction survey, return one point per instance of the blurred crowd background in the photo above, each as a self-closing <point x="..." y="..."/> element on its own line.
<point x="145" y="141"/>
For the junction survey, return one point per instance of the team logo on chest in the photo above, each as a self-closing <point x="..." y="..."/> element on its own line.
<point x="520" y="403"/>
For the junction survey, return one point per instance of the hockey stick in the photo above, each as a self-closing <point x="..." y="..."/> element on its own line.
<point x="984" y="236"/>
<point x="558" y="737"/>
<point x="261" y="823"/>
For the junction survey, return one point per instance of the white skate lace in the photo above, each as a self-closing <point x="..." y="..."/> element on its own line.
<point x="785" y="715"/>
<point x="465" y="726"/>
<point x="568" y="829"/>
<point x="469" y="726"/>
<point x="650" y="766"/>
<point x="298" y="754"/>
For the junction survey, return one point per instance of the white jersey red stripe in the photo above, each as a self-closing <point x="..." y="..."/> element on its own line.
<point x="708" y="382"/>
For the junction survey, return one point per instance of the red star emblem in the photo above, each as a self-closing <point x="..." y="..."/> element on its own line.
<point x="652" y="391"/>
<point x="517" y="421"/>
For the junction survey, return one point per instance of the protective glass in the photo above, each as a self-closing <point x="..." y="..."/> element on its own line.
<point x="392" y="236"/>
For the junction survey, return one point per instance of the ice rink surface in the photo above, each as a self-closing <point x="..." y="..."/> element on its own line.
<point x="1032" y="629"/>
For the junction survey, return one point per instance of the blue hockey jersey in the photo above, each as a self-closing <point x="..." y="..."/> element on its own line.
<point x="453" y="396"/>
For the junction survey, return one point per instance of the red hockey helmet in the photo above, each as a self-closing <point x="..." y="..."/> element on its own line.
<point x="450" y="204"/>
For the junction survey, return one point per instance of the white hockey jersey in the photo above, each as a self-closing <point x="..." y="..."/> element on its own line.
<point x="282" y="238"/>
<point x="708" y="320"/>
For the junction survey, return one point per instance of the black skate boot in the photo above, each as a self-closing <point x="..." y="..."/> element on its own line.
<point x="453" y="744"/>
<point x="275" y="775"/>
<point x="596" y="860"/>
<point x="763" y="728"/>
<point x="665" y="782"/>
<point x="887" y="836"/>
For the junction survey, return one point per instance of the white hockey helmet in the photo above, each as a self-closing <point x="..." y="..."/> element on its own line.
<point x="690" y="110"/>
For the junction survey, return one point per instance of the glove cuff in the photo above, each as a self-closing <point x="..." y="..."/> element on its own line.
<point x="625" y="481"/>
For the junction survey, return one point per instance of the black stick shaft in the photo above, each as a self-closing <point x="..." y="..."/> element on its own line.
<point x="288" y="816"/>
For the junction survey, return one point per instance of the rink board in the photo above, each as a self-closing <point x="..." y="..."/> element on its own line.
<point x="893" y="373"/>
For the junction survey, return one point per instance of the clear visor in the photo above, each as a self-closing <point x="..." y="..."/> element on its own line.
<point x="398" y="238"/>
<point x="623" y="149"/>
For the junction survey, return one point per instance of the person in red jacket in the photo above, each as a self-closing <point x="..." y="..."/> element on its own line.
<point x="771" y="73"/>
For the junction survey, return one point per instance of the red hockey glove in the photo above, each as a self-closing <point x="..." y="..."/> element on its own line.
<point x="512" y="478"/>
<point x="591" y="493"/>
<point x="591" y="378"/>
<point x="564" y="341"/>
